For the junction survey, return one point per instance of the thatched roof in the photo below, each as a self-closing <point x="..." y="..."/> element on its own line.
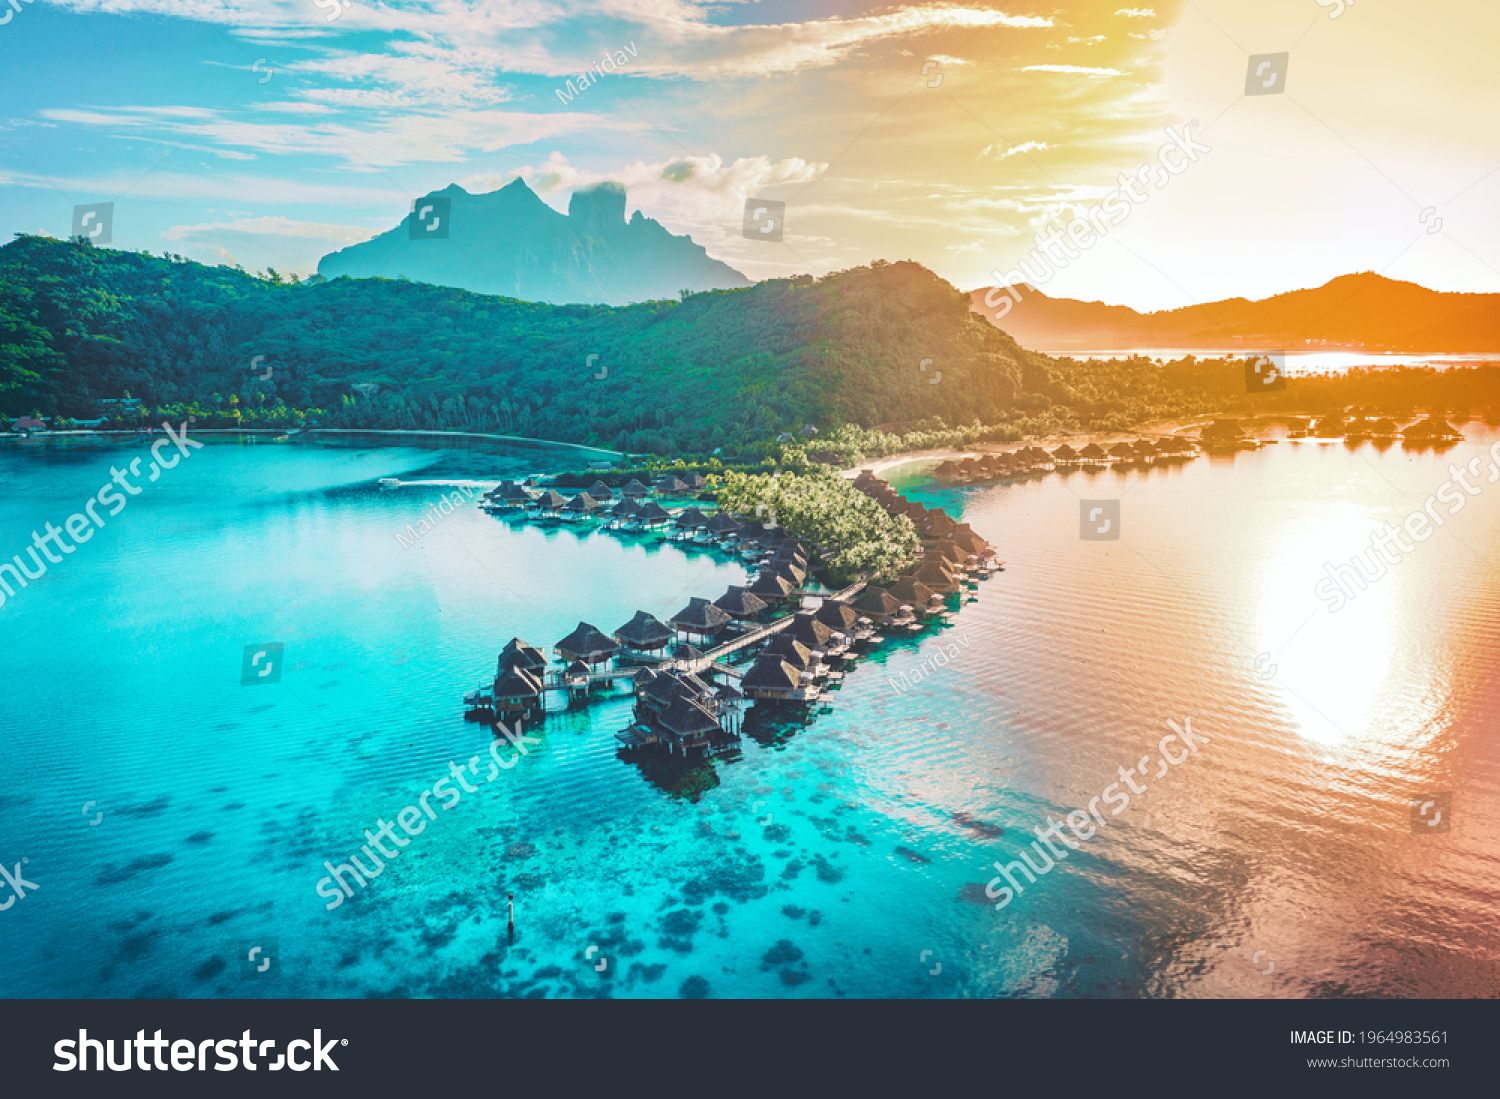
<point x="935" y="575"/>
<point x="808" y="630"/>
<point x="772" y="675"/>
<point x="587" y="642"/>
<point x="772" y="586"/>
<point x="687" y="718"/>
<point x="740" y="602"/>
<point x="577" y="668"/>
<point x="1122" y="450"/>
<point x="550" y="501"/>
<point x="667" y="686"/>
<point x="600" y="491"/>
<point x="625" y="509"/>
<point x="947" y="550"/>
<point x="946" y="469"/>
<point x="937" y="524"/>
<point x="1093" y="452"/>
<point x="784" y="646"/>
<point x="700" y="616"/>
<point x="912" y="591"/>
<point x="722" y="523"/>
<point x="691" y="519"/>
<point x="695" y="480"/>
<point x="635" y="488"/>
<point x="836" y="615"/>
<point x="518" y="654"/>
<point x="877" y="601"/>
<point x="645" y="632"/>
<point x="1065" y="453"/>
<point x="643" y="678"/>
<point x="582" y="502"/>
<point x="1223" y="429"/>
<point x="652" y="512"/>
<point x="671" y="484"/>
<point x="516" y="685"/>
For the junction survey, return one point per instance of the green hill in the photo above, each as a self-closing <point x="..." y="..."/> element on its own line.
<point x="719" y="368"/>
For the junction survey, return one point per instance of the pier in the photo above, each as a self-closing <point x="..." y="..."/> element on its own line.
<point x="676" y="708"/>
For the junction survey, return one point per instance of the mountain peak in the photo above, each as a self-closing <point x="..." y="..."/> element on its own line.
<point x="510" y="242"/>
<point x="600" y="208"/>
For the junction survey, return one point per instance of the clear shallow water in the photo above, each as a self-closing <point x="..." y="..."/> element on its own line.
<point x="1289" y="832"/>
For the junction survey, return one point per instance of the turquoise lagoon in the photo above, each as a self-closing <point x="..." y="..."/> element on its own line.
<point x="843" y="854"/>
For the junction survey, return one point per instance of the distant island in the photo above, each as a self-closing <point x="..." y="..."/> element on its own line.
<point x="510" y="242"/>
<point x="1362" y="312"/>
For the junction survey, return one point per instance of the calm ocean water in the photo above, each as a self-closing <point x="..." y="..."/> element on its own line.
<point x="844" y="857"/>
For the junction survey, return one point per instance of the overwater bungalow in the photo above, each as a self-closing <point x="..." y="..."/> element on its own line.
<point x="1124" y="454"/>
<point x="772" y="587"/>
<point x="741" y="604"/>
<point x="518" y="654"/>
<point x="681" y="711"/>
<point x="509" y="495"/>
<point x="1359" y="428"/>
<point x="635" y="490"/>
<point x="517" y="691"/>
<point x="625" y="515"/>
<point x="722" y="527"/>
<point x="773" y="680"/>
<point x="1093" y="454"/>
<point x="549" y="505"/>
<point x="576" y="678"/>
<point x="689" y="729"/>
<point x="1385" y="428"/>
<point x="947" y="470"/>
<point x="882" y="607"/>
<point x="644" y="634"/>
<point x="915" y="594"/>
<point x="938" y="524"/>
<point x="1064" y="456"/>
<point x="844" y="620"/>
<point x="581" y="506"/>
<point x="689" y="522"/>
<point x="812" y="633"/>
<point x="601" y="492"/>
<point x="1433" y="427"/>
<point x="783" y="646"/>
<point x="588" y="644"/>
<point x="1330" y="427"/>
<point x="671" y="485"/>
<point x="695" y="481"/>
<point x="1225" y="435"/>
<point x="653" y="514"/>
<point x="936" y="575"/>
<point x="700" y="619"/>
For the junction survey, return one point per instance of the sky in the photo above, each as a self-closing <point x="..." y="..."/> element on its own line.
<point x="267" y="133"/>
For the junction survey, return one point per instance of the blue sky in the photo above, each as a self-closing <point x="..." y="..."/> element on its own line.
<point x="948" y="133"/>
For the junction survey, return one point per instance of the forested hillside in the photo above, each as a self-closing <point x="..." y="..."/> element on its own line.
<point x="719" y="368"/>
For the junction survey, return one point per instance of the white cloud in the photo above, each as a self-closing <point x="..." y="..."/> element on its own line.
<point x="1078" y="69"/>
<point x="1137" y="13"/>
<point x="1014" y="150"/>
<point x="273" y="226"/>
